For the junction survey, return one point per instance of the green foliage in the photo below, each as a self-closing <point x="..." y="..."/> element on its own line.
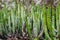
<point x="46" y="19"/>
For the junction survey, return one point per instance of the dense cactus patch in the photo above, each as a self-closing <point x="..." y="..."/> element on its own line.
<point x="30" y="20"/>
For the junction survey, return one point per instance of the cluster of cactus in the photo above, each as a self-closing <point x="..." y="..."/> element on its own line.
<point x="40" y="23"/>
